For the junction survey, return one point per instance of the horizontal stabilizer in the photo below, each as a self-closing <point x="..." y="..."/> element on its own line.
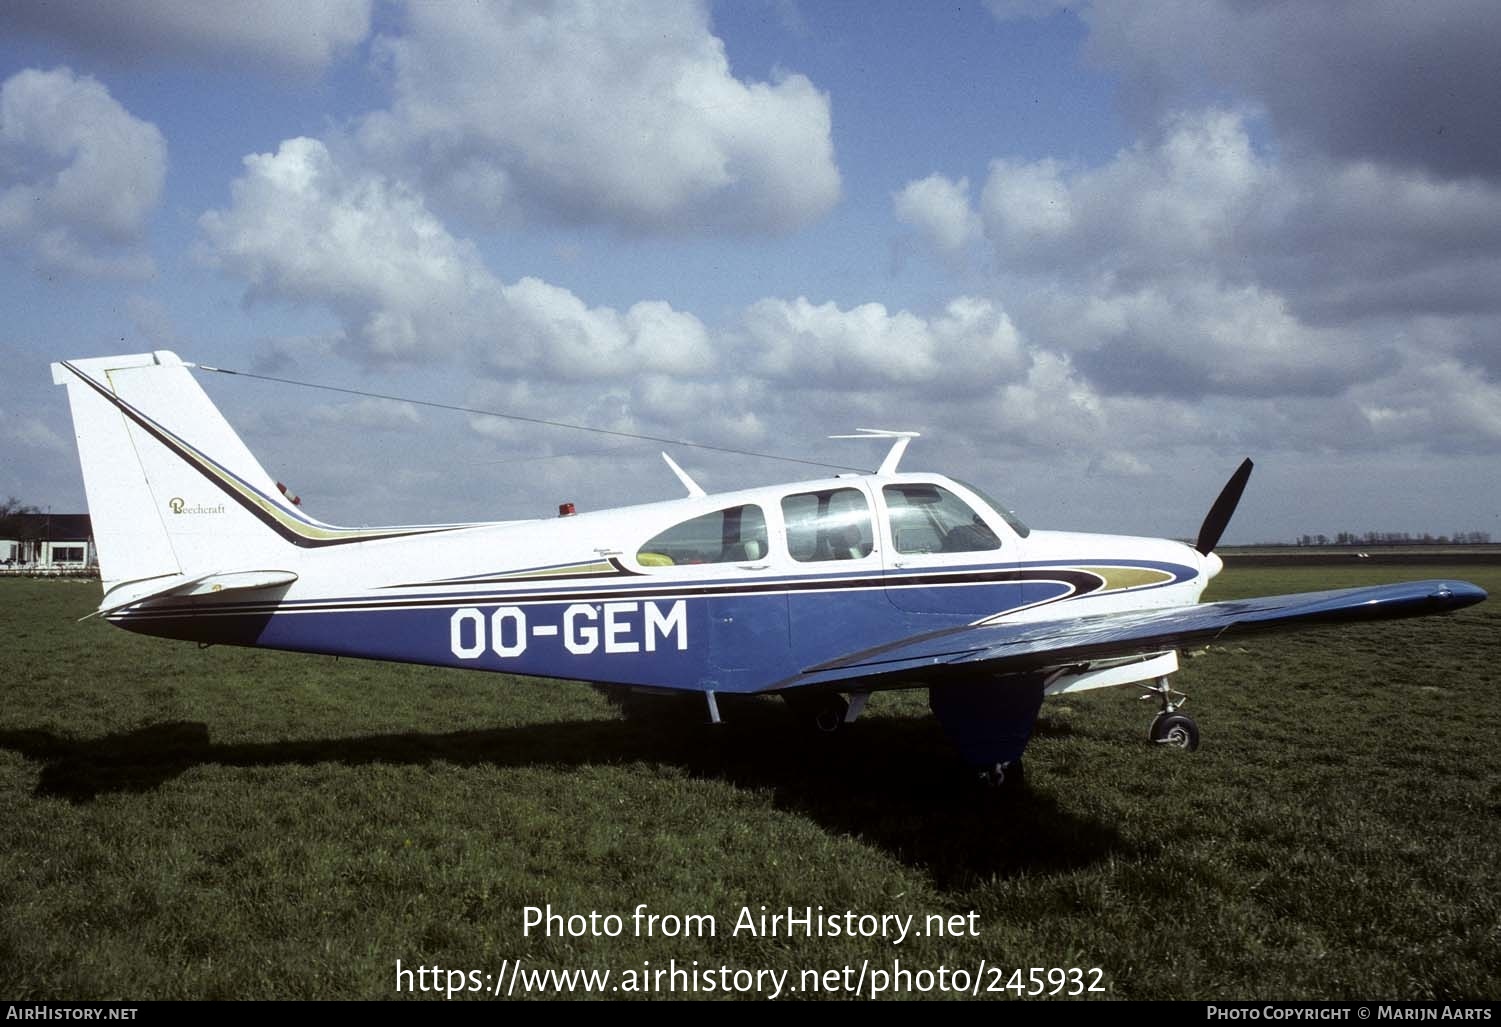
<point x="179" y="585"/>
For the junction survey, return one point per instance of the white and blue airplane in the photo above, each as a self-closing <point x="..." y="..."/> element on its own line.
<point x="819" y="591"/>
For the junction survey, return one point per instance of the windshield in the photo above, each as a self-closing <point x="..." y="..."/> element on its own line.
<point x="1005" y="514"/>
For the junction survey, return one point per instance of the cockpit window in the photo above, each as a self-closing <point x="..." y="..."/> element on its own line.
<point x="929" y="519"/>
<point x="725" y="536"/>
<point x="1006" y="515"/>
<point x="829" y="525"/>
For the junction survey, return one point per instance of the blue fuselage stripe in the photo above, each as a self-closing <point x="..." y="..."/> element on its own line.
<point x="723" y="636"/>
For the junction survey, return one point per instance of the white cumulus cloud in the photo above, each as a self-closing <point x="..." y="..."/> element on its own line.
<point x="548" y="330"/>
<point x="1192" y="263"/>
<point x="302" y="228"/>
<point x="79" y="175"/>
<point x="938" y="209"/>
<point x="1153" y="206"/>
<point x="625" y="114"/>
<point x="971" y="345"/>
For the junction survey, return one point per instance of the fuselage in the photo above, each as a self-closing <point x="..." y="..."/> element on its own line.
<point x="732" y="592"/>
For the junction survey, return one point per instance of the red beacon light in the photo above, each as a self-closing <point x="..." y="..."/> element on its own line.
<point x="566" y="510"/>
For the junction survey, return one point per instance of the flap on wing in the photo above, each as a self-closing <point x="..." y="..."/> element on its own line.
<point x="1020" y="647"/>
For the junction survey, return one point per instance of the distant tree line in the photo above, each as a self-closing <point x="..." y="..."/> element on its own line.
<point x="1397" y="538"/>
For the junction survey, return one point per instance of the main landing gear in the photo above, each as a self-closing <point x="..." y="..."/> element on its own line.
<point x="825" y="712"/>
<point x="1006" y="777"/>
<point x="989" y="720"/>
<point x="1170" y="727"/>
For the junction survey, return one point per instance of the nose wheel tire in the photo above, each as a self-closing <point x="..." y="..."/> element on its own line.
<point x="1175" y="730"/>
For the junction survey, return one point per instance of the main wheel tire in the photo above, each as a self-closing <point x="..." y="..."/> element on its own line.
<point x="824" y="712"/>
<point x="1176" y="730"/>
<point x="830" y="717"/>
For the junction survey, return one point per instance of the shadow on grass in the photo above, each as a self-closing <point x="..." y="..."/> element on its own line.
<point x="892" y="782"/>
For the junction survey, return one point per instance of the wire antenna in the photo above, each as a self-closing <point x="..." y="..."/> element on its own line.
<point x="530" y="420"/>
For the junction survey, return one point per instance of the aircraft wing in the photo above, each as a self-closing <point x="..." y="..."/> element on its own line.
<point x="1021" y="646"/>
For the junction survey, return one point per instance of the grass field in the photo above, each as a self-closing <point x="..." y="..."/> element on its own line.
<point x="179" y="822"/>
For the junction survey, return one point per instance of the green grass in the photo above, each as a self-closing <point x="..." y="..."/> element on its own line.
<point x="179" y="822"/>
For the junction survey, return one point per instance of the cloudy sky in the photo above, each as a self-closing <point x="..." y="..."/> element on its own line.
<point x="1096" y="253"/>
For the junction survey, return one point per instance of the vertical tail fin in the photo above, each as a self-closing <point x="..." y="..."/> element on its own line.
<point x="172" y="490"/>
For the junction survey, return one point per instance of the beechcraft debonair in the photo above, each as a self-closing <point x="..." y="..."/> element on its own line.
<point x="819" y="591"/>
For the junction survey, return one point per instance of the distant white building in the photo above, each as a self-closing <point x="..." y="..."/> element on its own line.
<point x="48" y="544"/>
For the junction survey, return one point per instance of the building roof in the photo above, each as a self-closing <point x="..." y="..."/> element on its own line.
<point x="48" y="527"/>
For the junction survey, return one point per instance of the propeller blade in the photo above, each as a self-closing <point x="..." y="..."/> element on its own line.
<point x="1223" y="509"/>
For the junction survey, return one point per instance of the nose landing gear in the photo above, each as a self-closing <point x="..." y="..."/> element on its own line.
<point x="1170" y="727"/>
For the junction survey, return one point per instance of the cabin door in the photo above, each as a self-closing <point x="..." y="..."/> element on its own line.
<point x="942" y="556"/>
